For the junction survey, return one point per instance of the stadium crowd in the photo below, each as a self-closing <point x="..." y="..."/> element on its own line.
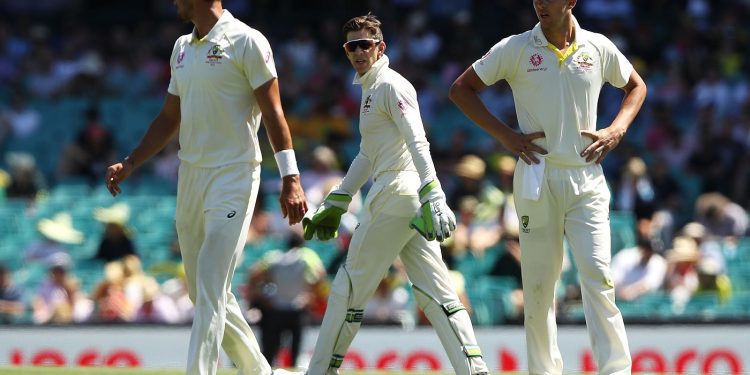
<point x="680" y="179"/>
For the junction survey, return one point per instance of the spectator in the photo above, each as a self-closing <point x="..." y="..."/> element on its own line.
<point x="59" y="299"/>
<point x="91" y="152"/>
<point x="116" y="241"/>
<point x="176" y="289"/>
<point x="157" y="308"/>
<point x="720" y="216"/>
<point x="11" y="305"/>
<point x="709" y="246"/>
<point x="20" y="120"/>
<point x="135" y="282"/>
<point x="639" y="270"/>
<point x="470" y="172"/>
<point x="26" y="180"/>
<point x="711" y="279"/>
<point x="111" y="304"/>
<point x="473" y="234"/>
<point x="636" y="193"/>
<point x="57" y="232"/>
<point x="282" y="286"/>
<point x="682" y="276"/>
<point x="389" y="304"/>
<point x="508" y="264"/>
<point x="321" y="170"/>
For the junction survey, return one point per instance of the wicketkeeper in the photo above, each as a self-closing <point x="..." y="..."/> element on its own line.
<point x="395" y="152"/>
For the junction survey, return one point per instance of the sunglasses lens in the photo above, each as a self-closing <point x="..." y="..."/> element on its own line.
<point x="365" y="44"/>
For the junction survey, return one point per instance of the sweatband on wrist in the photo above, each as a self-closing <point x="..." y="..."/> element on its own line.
<point x="287" y="162"/>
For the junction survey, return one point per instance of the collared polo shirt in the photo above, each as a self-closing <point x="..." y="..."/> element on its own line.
<point x="553" y="92"/>
<point x="214" y="77"/>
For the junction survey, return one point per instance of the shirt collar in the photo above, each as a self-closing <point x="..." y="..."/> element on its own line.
<point x="216" y="32"/>
<point x="539" y="40"/>
<point x="367" y="79"/>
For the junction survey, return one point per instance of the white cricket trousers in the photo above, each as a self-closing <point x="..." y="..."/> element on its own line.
<point x="214" y="207"/>
<point x="574" y="204"/>
<point x="382" y="235"/>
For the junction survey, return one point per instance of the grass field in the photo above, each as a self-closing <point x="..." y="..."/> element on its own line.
<point x="116" y="371"/>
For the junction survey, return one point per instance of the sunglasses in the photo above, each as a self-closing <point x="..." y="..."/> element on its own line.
<point x="365" y="44"/>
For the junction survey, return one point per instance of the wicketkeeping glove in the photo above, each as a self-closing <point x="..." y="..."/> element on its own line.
<point x="434" y="220"/>
<point x="326" y="219"/>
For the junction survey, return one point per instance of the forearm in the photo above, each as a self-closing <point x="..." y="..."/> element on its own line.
<point x="277" y="130"/>
<point x="269" y="101"/>
<point x="635" y="94"/>
<point x="159" y="133"/>
<point x="357" y="174"/>
<point x="420" y="154"/>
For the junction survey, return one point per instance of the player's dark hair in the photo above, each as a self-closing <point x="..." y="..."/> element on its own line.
<point x="367" y="22"/>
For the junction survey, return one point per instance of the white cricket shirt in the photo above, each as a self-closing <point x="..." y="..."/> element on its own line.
<point x="215" y="77"/>
<point x="556" y="93"/>
<point x="389" y="121"/>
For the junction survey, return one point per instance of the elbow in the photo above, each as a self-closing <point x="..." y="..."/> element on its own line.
<point x="454" y="91"/>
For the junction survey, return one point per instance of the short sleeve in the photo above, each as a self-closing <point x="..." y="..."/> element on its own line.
<point x="172" y="88"/>
<point x="496" y="64"/>
<point x="616" y="68"/>
<point x="258" y="59"/>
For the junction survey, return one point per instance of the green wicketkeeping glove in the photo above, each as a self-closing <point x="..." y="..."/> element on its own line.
<point x="324" y="222"/>
<point x="434" y="219"/>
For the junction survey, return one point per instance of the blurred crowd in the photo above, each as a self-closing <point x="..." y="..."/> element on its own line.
<point x="682" y="172"/>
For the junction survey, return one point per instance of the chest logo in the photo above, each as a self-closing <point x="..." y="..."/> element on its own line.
<point x="536" y="61"/>
<point x="525" y="224"/>
<point x="214" y="55"/>
<point x="368" y="104"/>
<point x="583" y="62"/>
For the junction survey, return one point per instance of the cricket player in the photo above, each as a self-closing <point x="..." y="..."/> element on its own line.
<point x="223" y="82"/>
<point x="395" y="152"/>
<point x="556" y="71"/>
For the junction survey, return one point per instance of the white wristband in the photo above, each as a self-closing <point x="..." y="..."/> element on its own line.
<point x="287" y="162"/>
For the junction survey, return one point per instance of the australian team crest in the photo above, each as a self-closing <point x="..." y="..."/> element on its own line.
<point x="215" y="54"/>
<point x="584" y="62"/>
<point x="525" y="223"/>
<point x="368" y="104"/>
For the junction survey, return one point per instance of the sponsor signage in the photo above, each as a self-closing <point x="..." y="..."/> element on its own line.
<point x="675" y="349"/>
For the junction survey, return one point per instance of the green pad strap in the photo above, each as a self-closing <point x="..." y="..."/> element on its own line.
<point x="336" y="361"/>
<point x="355" y="315"/>
<point x="472" y="351"/>
<point x="452" y="307"/>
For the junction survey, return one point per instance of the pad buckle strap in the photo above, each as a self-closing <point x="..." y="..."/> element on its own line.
<point x="452" y="307"/>
<point x="472" y="351"/>
<point x="355" y="315"/>
<point x="336" y="361"/>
